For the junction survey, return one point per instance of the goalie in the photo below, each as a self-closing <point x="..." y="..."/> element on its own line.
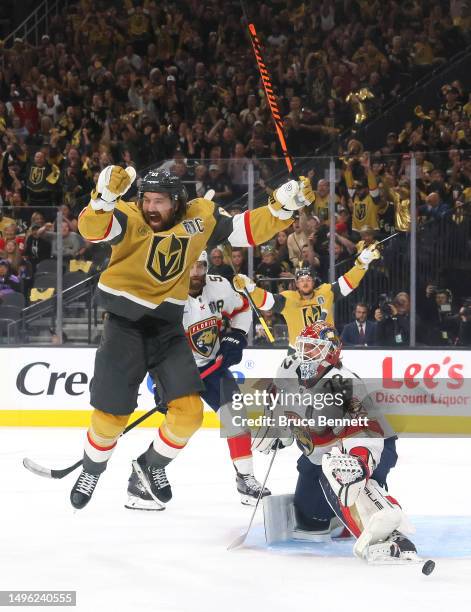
<point x="347" y="454"/>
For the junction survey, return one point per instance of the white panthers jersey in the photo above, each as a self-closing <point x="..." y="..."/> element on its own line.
<point x="202" y="317"/>
<point x="323" y="432"/>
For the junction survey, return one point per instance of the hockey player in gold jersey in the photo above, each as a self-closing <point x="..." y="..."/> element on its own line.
<point x="308" y="304"/>
<point x="154" y="244"/>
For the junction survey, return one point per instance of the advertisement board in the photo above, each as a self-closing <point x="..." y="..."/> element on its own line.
<point x="424" y="391"/>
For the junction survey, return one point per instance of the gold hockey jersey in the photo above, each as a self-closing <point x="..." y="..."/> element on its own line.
<point x="299" y="312"/>
<point x="149" y="272"/>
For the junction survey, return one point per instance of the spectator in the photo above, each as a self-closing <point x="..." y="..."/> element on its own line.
<point x="295" y="243"/>
<point x="12" y="253"/>
<point x="42" y="181"/>
<point x="217" y="265"/>
<point x="72" y="243"/>
<point x="238" y="261"/>
<point x="281" y="250"/>
<point x="393" y="323"/>
<point x="464" y="331"/>
<point x="36" y="248"/>
<point x="360" y="332"/>
<point x="268" y="268"/>
<point x="9" y="283"/>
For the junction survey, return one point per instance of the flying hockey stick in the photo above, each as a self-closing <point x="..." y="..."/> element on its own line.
<point x="241" y="539"/>
<point x="39" y="470"/>
<point x="267" y="86"/>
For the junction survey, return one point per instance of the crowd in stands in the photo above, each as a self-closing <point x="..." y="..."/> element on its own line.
<point x="174" y="85"/>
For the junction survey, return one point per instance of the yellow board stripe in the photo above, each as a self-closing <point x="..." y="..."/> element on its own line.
<point x="81" y="418"/>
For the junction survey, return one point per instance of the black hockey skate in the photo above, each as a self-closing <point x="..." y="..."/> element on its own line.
<point x="153" y="479"/>
<point x="82" y="490"/>
<point x="138" y="497"/>
<point x="249" y="489"/>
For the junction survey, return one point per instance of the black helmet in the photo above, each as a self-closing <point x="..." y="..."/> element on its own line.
<point x="300" y="272"/>
<point x="162" y="181"/>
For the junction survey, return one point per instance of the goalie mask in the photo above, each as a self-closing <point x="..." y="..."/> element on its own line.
<point x="318" y="346"/>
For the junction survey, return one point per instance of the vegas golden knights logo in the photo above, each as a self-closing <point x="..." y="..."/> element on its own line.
<point x="36" y="175"/>
<point x="360" y="211"/>
<point x="311" y="314"/>
<point x="167" y="257"/>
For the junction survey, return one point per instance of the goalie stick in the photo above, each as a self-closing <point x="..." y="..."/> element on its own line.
<point x="241" y="539"/>
<point x="40" y="470"/>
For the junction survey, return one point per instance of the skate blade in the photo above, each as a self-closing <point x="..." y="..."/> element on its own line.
<point x="145" y="484"/>
<point x="135" y="503"/>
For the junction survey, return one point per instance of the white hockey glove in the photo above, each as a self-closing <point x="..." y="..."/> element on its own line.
<point x="367" y="256"/>
<point x="266" y="444"/>
<point x="242" y="282"/>
<point x="348" y="473"/>
<point x="291" y="196"/>
<point x="113" y="182"/>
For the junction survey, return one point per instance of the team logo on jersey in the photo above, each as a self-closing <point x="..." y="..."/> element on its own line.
<point x="167" y="256"/>
<point x="193" y="226"/>
<point x="311" y="314"/>
<point x="302" y="434"/>
<point x="203" y="336"/>
<point x="143" y="230"/>
<point x="36" y="175"/>
<point x="360" y="211"/>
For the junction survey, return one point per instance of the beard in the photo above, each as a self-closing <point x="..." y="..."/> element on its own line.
<point x="196" y="285"/>
<point x="159" y="222"/>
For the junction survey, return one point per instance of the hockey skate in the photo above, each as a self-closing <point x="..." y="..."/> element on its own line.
<point x="138" y="497"/>
<point x="249" y="489"/>
<point x="396" y="549"/>
<point x="82" y="490"/>
<point x="153" y="479"/>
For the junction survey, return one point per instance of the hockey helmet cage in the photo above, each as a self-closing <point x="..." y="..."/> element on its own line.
<point x="318" y="346"/>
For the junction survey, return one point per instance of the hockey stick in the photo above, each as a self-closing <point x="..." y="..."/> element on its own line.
<point x="378" y="244"/>
<point x="258" y="314"/>
<point x="267" y="86"/>
<point x="39" y="470"/>
<point x="241" y="539"/>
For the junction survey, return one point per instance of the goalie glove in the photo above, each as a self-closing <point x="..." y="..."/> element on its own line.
<point x="242" y="282"/>
<point x="348" y="473"/>
<point x="113" y="182"/>
<point x="291" y="196"/>
<point x="367" y="256"/>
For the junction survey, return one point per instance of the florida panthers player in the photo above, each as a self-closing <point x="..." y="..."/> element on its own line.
<point x="211" y="298"/>
<point x="345" y="461"/>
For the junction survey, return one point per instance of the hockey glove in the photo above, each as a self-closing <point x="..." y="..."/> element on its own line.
<point x="291" y="196"/>
<point x="112" y="183"/>
<point x="242" y="282"/>
<point x="348" y="473"/>
<point x="231" y="348"/>
<point x="367" y="256"/>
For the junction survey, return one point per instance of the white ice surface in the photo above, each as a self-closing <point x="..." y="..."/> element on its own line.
<point x="176" y="560"/>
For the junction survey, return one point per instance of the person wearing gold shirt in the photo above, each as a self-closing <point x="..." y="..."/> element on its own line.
<point x="308" y="303"/>
<point x="155" y="242"/>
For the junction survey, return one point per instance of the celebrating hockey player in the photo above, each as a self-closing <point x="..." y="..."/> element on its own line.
<point x="211" y="298"/>
<point x="347" y="453"/>
<point x="154" y="244"/>
<point x="308" y="303"/>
